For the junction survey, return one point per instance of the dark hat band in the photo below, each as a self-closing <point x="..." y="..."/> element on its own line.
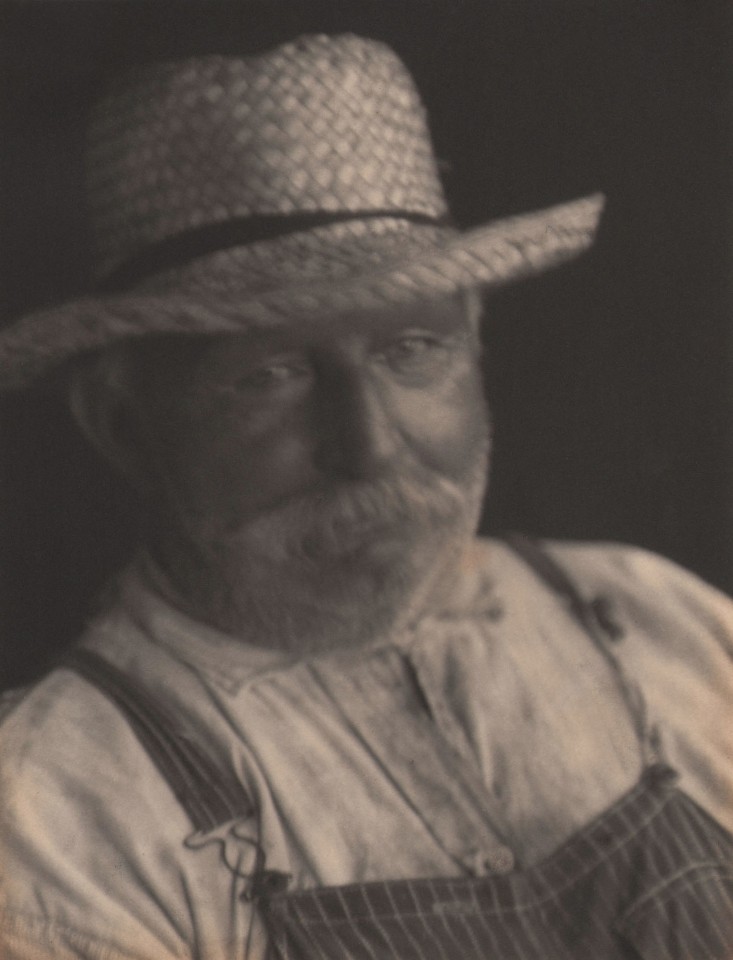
<point x="181" y="248"/>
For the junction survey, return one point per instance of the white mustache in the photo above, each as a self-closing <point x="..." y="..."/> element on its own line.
<point x="325" y="522"/>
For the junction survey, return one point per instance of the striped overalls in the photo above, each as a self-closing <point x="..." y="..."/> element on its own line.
<point x="649" y="879"/>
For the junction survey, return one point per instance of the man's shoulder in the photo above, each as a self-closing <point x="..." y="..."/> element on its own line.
<point x="622" y="565"/>
<point x="613" y="558"/>
<point x="642" y="577"/>
<point x="55" y="733"/>
<point x="651" y="587"/>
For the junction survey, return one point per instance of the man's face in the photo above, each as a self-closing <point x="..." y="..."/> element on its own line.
<point x="323" y="464"/>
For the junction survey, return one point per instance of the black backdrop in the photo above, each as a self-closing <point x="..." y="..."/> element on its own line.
<point x="609" y="379"/>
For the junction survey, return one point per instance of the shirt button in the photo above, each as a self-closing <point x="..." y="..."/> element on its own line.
<point x="493" y="607"/>
<point x="500" y="860"/>
<point x="495" y="612"/>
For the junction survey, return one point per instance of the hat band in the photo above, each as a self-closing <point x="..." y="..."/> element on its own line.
<point x="179" y="249"/>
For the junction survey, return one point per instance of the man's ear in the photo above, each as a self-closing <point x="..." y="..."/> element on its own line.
<point x="100" y="401"/>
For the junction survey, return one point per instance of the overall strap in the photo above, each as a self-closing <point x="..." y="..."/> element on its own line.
<point x="209" y="793"/>
<point x="595" y="615"/>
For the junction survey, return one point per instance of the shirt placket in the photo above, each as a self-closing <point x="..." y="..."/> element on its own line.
<point x="415" y="737"/>
<point x="493" y="855"/>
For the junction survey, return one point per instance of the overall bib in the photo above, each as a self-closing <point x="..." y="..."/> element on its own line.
<point x="649" y="879"/>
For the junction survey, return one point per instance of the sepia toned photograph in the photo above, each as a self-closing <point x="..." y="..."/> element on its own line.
<point x="366" y="480"/>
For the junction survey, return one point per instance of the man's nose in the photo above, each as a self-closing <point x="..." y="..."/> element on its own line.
<point x="358" y="435"/>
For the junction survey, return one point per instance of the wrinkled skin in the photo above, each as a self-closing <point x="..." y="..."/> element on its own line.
<point x="312" y="484"/>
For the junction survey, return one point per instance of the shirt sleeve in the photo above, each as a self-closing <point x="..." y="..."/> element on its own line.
<point x="32" y="938"/>
<point x="91" y="868"/>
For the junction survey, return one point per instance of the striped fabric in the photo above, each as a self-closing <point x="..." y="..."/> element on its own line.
<point x="652" y="878"/>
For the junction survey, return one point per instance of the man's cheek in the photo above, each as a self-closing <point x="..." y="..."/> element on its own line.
<point x="453" y="434"/>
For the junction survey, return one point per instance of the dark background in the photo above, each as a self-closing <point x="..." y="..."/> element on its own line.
<point x="609" y="379"/>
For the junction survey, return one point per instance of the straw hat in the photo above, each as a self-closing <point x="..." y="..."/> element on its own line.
<point x="231" y="191"/>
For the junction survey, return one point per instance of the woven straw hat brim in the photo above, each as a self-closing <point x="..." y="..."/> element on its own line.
<point x="301" y="277"/>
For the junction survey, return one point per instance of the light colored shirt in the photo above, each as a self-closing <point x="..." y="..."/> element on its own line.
<point x="474" y="744"/>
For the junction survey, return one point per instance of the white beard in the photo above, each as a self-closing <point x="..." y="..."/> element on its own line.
<point x="338" y="570"/>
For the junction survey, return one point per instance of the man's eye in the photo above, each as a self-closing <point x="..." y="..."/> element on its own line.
<point x="415" y="352"/>
<point x="270" y="376"/>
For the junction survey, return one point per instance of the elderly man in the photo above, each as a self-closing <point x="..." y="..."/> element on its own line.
<point x="316" y="716"/>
